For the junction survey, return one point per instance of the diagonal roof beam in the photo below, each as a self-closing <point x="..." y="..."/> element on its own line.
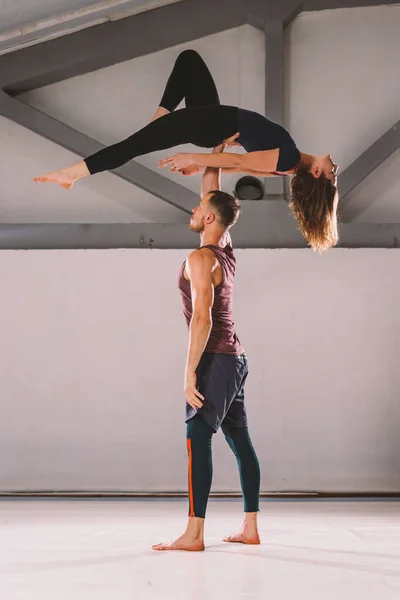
<point x="24" y="32"/>
<point x="368" y="161"/>
<point x="117" y="41"/>
<point x="83" y="145"/>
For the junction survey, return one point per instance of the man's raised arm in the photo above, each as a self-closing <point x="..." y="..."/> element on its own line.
<point x="212" y="181"/>
<point x="212" y="176"/>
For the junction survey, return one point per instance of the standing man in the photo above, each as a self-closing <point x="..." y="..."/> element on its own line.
<point x="216" y="366"/>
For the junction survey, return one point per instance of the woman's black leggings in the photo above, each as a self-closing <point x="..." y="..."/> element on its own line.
<point x="199" y="439"/>
<point x="204" y="122"/>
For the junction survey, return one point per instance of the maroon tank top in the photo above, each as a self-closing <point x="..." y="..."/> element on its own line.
<point x="223" y="339"/>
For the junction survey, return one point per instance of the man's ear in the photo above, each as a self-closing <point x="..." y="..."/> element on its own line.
<point x="210" y="218"/>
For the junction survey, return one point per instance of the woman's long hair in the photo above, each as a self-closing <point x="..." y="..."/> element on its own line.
<point x="313" y="203"/>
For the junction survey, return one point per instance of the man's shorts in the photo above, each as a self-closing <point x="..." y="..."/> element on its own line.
<point x="220" y="379"/>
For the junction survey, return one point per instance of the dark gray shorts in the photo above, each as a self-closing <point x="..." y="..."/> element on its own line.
<point x="221" y="379"/>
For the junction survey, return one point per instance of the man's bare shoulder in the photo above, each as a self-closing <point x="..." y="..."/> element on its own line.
<point x="202" y="256"/>
<point x="202" y="260"/>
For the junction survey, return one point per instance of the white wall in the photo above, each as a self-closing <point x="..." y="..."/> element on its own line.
<point x="92" y="356"/>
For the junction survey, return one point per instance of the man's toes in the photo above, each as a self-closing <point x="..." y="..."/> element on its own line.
<point x="234" y="539"/>
<point x="162" y="546"/>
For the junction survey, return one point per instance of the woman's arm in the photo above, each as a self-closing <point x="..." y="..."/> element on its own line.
<point x="264" y="161"/>
<point x="195" y="170"/>
<point x="230" y="170"/>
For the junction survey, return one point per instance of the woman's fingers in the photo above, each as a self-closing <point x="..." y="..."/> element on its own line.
<point x="231" y="141"/>
<point x="178" y="161"/>
<point x="166" y="161"/>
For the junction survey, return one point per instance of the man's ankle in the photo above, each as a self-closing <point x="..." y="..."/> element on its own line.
<point x="251" y="515"/>
<point x="195" y="527"/>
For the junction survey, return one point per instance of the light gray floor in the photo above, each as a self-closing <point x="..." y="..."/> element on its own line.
<point x="83" y="550"/>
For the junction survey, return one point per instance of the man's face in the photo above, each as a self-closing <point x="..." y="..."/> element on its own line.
<point x="197" y="220"/>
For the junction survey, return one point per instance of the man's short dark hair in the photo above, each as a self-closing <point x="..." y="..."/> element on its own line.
<point x="227" y="207"/>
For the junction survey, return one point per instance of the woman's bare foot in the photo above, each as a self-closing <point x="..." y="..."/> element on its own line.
<point x="249" y="532"/>
<point x="191" y="541"/>
<point x="65" y="177"/>
<point x="55" y="177"/>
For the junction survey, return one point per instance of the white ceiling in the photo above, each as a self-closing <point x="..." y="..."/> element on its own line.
<point x="339" y="99"/>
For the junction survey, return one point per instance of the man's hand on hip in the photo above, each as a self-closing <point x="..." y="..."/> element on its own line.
<point x="192" y="394"/>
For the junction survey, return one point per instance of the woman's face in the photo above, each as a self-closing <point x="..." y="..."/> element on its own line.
<point x="325" y="166"/>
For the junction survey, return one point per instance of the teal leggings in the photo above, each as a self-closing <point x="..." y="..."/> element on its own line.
<point x="199" y="443"/>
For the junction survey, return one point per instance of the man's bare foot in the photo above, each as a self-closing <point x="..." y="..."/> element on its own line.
<point x="242" y="538"/>
<point x="249" y="532"/>
<point x="191" y="541"/>
<point x="182" y="543"/>
<point x="65" y="177"/>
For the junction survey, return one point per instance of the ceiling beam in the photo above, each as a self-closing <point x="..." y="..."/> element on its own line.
<point x="171" y="235"/>
<point x="276" y="16"/>
<point x="333" y="4"/>
<point x="368" y="161"/>
<point x="262" y="225"/>
<point x="274" y="88"/>
<point x="83" y="145"/>
<point x="117" y="41"/>
<point x="30" y="33"/>
<point x="248" y="233"/>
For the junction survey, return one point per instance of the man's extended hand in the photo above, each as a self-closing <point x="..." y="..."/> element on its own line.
<point x="192" y="394"/>
<point x="192" y="170"/>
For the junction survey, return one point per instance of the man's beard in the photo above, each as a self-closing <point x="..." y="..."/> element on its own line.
<point x="197" y="228"/>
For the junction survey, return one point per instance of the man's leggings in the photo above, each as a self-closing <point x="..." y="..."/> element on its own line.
<point x="199" y="440"/>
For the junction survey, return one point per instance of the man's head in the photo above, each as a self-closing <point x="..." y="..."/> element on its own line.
<point x="217" y="211"/>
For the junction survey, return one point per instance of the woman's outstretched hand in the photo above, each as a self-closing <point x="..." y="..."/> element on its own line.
<point x="185" y="163"/>
<point x="230" y="142"/>
<point x="177" y="162"/>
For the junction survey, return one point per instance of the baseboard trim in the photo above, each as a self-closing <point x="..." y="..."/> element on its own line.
<point x="161" y="495"/>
